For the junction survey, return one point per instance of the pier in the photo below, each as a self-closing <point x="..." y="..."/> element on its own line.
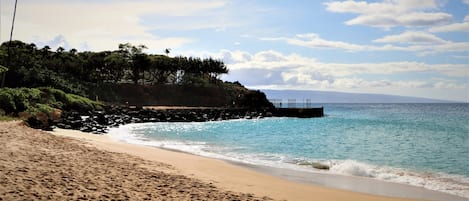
<point x="299" y="112"/>
<point x="303" y="109"/>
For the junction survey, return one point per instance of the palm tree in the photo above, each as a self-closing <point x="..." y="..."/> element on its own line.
<point x="167" y="51"/>
<point x="11" y="37"/>
<point x="73" y="51"/>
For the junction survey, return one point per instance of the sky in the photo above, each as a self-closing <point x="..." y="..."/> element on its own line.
<point x="414" y="48"/>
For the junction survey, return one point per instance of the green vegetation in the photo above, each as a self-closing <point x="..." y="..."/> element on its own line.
<point x="30" y="101"/>
<point x="7" y="118"/>
<point x="76" y="72"/>
<point x="38" y="81"/>
<point x="3" y="69"/>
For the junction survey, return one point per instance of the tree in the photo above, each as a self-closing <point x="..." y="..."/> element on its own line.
<point x="115" y="65"/>
<point x="162" y="69"/>
<point x="136" y="59"/>
<point x="45" y="51"/>
<point x="73" y="51"/>
<point x="216" y="68"/>
<point x="60" y="49"/>
<point x="74" y="71"/>
<point x="3" y="71"/>
<point x="140" y="63"/>
<point x="93" y="65"/>
<point x="167" y="51"/>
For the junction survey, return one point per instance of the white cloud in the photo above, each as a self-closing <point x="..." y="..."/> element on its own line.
<point x="234" y="56"/>
<point x="466" y="2"/>
<point x="56" y="42"/>
<point x="272" y="60"/>
<point x="274" y="70"/>
<point x="388" y="6"/>
<point x="466" y="57"/>
<point x="313" y="40"/>
<point x="424" y="50"/>
<point x="411" y="19"/>
<point x="455" y="27"/>
<point x="421" y="43"/>
<point x="411" y="37"/>
<point x="101" y="25"/>
<point x="391" y="13"/>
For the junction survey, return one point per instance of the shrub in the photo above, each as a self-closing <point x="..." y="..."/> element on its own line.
<point x="59" y="99"/>
<point x="54" y="97"/>
<point x="80" y="103"/>
<point x="7" y="102"/>
<point x="32" y="101"/>
<point x="3" y="116"/>
<point x="7" y="118"/>
<point x="39" y="107"/>
<point x="24" y="98"/>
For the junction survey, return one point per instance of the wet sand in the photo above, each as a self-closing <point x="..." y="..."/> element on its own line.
<point x="73" y="165"/>
<point x="356" y="184"/>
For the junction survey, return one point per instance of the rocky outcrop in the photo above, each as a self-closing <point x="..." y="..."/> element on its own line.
<point x="98" y="121"/>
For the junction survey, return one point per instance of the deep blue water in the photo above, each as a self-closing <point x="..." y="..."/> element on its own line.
<point x="419" y="144"/>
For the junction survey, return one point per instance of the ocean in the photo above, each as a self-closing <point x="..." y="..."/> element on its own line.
<point x="423" y="145"/>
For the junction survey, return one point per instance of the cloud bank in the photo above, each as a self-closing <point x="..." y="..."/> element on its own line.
<point x="99" y="25"/>
<point x="391" y="13"/>
<point x="273" y="70"/>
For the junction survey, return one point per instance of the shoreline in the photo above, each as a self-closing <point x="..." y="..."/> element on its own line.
<point x="37" y="165"/>
<point x="272" y="182"/>
<point x="403" y="183"/>
<point x="331" y="180"/>
<point x="354" y="183"/>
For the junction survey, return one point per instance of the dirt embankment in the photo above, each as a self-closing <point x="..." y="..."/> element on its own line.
<point x="225" y="95"/>
<point x="170" y="95"/>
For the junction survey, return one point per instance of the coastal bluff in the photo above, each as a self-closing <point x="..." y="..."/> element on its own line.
<point x="228" y="95"/>
<point x="128" y="103"/>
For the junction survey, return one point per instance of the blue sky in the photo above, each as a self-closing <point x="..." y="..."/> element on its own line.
<point x="400" y="47"/>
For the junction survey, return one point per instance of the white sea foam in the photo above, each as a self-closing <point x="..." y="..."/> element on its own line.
<point x="124" y="134"/>
<point x="452" y="184"/>
<point x="350" y="167"/>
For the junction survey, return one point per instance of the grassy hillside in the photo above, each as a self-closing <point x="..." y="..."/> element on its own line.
<point x="40" y="106"/>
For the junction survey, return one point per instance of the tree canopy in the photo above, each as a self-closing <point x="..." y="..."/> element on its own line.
<point x="3" y="69"/>
<point x="31" y="66"/>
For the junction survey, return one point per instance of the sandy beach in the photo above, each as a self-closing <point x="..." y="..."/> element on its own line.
<point x="66" y="164"/>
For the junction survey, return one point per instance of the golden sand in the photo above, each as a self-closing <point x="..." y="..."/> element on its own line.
<point x="73" y="165"/>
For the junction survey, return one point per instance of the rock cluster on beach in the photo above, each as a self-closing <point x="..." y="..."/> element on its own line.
<point x="98" y="121"/>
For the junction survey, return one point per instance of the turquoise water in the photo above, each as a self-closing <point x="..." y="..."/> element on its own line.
<point x="418" y="144"/>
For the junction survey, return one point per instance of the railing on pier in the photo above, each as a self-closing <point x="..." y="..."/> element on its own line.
<point x="292" y="103"/>
<point x="292" y="108"/>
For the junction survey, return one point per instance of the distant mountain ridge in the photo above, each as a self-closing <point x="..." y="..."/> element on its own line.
<point x="342" y="97"/>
